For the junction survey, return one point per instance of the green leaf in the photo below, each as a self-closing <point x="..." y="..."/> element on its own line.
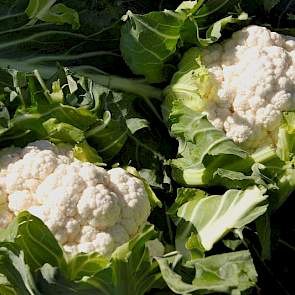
<point x="60" y="14"/>
<point x="282" y="170"/>
<point x="38" y="7"/>
<point x="150" y="40"/>
<point x="235" y="179"/>
<point x="185" y="195"/>
<point x="214" y="32"/>
<point x="213" y="17"/>
<point x="237" y="267"/>
<point x="27" y="124"/>
<point x="85" y="153"/>
<point x="185" y="231"/>
<point x="232" y="179"/>
<point x="62" y="132"/>
<point x="46" y="11"/>
<point x="286" y="137"/>
<point x="17" y="273"/>
<point x="31" y="235"/>
<point x="216" y="215"/>
<point x="217" y="273"/>
<point x="193" y="244"/>
<point x="109" y="135"/>
<point x="135" y="124"/>
<point x="189" y="83"/>
<point x="202" y="148"/>
<point x="85" y="265"/>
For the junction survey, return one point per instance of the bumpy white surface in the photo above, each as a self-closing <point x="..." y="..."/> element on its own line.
<point x="86" y="207"/>
<point x="255" y="70"/>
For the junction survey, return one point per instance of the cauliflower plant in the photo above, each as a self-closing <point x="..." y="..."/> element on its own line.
<point x="242" y="84"/>
<point x="86" y="207"/>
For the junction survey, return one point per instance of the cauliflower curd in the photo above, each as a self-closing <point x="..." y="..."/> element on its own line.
<point x="255" y="70"/>
<point x="242" y="84"/>
<point x="86" y="207"/>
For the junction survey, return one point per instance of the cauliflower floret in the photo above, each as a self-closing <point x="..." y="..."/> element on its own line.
<point x="99" y="207"/>
<point x="28" y="167"/>
<point x="20" y="200"/>
<point x="134" y="199"/>
<point x="91" y="240"/>
<point x="86" y="207"/>
<point x="236" y="128"/>
<point x="102" y="242"/>
<point x="255" y="73"/>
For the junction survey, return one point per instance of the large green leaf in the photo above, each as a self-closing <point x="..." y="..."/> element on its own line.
<point x="50" y="12"/>
<point x="225" y="273"/>
<point x="216" y="215"/>
<point x="202" y="148"/>
<point x="16" y="272"/>
<point x="148" y="41"/>
<point x="36" y="241"/>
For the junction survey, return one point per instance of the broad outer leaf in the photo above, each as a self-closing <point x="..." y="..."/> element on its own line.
<point x="148" y="41"/>
<point x="215" y="215"/>
<point x="17" y="272"/>
<point x="202" y="148"/>
<point x="217" y="273"/>
<point x="48" y="11"/>
<point x="31" y="235"/>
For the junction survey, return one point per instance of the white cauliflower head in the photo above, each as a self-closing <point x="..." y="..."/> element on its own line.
<point x="86" y="207"/>
<point x="251" y="82"/>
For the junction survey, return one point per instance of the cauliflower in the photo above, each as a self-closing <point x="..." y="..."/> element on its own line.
<point x="86" y="207"/>
<point x="249" y="81"/>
